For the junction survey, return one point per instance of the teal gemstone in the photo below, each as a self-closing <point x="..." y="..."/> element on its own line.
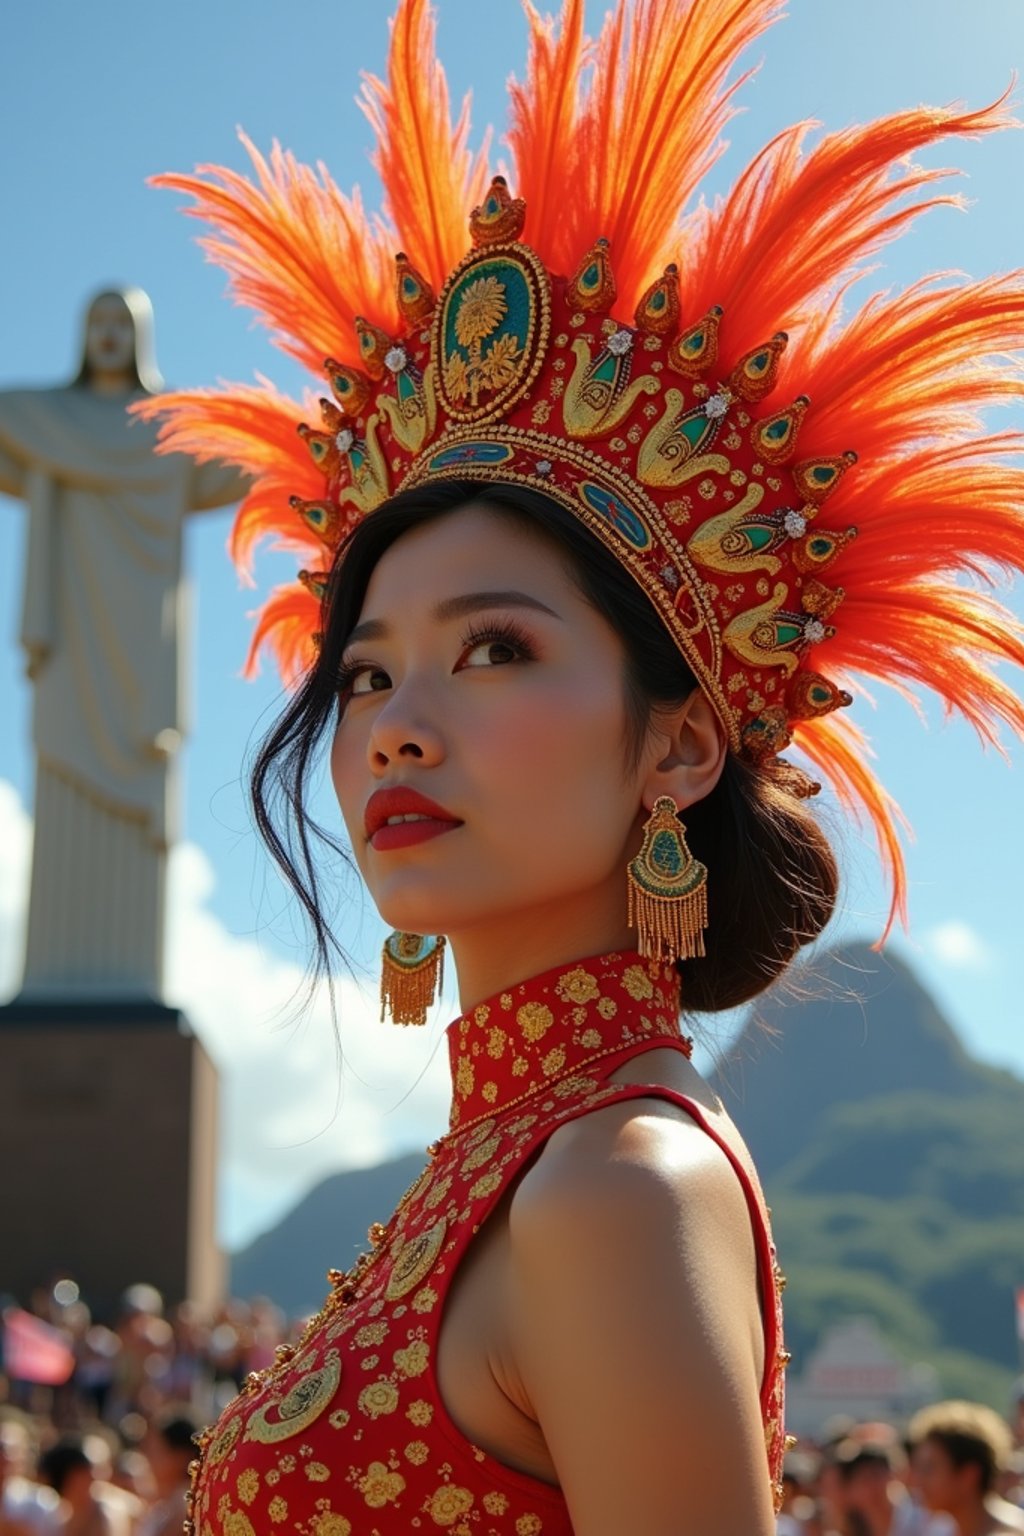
<point x="759" y="537"/>
<point x="820" y="546"/>
<point x="823" y="474"/>
<point x="695" y="345"/>
<point x="785" y="634"/>
<point x="406" y="388"/>
<point x="658" y="300"/>
<point x="316" y="517"/>
<point x="592" y="276"/>
<point x="777" y="430"/>
<point x="666" y="856"/>
<point x="606" y="369"/>
<point x="343" y="386"/>
<point x="493" y="206"/>
<point x="759" y="363"/>
<point x="410" y="287"/>
<point x="695" y="429"/>
<point x="357" y="458"/>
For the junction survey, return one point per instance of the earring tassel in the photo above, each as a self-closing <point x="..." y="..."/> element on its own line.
<point x="412" y="974"/>
<point x="667" y="890"/>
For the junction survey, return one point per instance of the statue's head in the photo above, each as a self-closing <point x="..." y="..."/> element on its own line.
<point x="118" y="342"/>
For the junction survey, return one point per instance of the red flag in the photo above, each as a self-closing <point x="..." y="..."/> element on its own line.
<point x="33" y="1351"/>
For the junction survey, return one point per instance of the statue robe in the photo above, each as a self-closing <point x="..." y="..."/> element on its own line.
<point x="103" y="629"/>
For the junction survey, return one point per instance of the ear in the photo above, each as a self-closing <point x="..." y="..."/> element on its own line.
<point x="693" y="749"/>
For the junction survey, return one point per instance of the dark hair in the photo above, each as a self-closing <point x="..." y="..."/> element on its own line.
<point x="970" y="1434"/>
<point x="62" y="1459"/>
<point x="178" y="1427"/>
<point x="773" y="877"/>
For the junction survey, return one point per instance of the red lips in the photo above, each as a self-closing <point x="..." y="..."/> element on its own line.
<point x="432" y="819"/>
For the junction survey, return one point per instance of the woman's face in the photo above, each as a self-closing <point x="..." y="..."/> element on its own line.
<point x="479" y="678"/>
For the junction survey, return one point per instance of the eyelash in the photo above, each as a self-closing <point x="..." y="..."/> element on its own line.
<point x="495" y="632"/>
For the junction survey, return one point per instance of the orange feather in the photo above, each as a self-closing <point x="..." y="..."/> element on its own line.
<point x="431" y="181"/>
<point x="796" y="224"/>
<point x="839" y="750"/>
<point x="255" y="429"/>
<point x="298" y="252"/>
<point x="285" y="625"/>
<point x="624" y="159"/>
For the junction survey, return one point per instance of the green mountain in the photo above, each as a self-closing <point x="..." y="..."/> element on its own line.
<point x="894" y="1165"/>
<point x="893" y="1162"/>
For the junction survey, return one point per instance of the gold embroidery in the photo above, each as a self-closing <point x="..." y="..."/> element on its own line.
<point x="534" y="1019"/>
<point x="379" y="1486"/>
<point x="449" y="1504"/>
<point x="415" y="1260"/>
<point x="378" y="1398"/>
<point x="302" y="1404"/>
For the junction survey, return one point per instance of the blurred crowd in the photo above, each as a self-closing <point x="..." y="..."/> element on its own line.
<point x="103" y="1447"/>
<point x="956" y="1469"/>
<point x="106" y="1451"/>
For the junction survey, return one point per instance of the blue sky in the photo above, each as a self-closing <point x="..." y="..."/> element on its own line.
<point x="98" y="98"/>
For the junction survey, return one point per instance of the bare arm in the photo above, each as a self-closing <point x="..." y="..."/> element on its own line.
<point x="637" y="1329"/>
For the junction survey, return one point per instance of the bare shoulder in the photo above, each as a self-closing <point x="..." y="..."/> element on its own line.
<point x="635" y="1323"/>
<point x="638" y="1161"/>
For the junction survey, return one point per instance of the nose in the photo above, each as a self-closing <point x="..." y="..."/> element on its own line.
<point x="402" y="732"/>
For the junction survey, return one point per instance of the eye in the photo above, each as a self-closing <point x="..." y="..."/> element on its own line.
<point x="358" y="679"/>
<point x="496" y="645"/>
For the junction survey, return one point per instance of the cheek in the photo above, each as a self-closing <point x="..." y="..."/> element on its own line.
<point x="554" y="756"/>
<point x="348" y="775"/>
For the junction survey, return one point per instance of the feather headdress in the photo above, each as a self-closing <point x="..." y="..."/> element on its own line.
<point x="650" y="362"/>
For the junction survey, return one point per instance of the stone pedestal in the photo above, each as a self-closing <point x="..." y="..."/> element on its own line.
<point x="108" y="1141"/>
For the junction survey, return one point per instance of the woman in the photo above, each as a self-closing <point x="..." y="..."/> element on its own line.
<point x="567" y="608"/>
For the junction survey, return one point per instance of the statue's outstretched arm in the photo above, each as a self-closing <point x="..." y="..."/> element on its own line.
<point x="216" y="485"/>
<point x="12" y="470"/>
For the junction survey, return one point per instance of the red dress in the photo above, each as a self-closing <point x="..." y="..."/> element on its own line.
<point x="346" y="1435"/>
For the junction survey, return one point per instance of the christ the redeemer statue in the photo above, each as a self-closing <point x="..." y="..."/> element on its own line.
<point x="103" y="630"/>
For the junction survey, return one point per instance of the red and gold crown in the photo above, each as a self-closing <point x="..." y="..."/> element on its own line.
<point x="682" y="383"/>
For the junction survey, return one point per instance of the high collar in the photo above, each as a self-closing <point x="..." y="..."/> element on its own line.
<point x="543" y="1030"/>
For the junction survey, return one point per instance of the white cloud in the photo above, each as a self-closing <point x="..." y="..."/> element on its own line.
<point x="956" y="943"/>
<point x="290" y="1114"/>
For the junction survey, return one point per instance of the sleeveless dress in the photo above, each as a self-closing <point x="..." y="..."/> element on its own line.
<point x="346" y="1434"/>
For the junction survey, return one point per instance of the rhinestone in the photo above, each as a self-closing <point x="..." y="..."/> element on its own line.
<point x="814" y="632"/>
<point x="795" y="524"/>
<point x="619" y="343"/>
<point x="543" y="466"/>
<point x="395" y="359"/>
<point x="345" y="438"/>
<point x="670" y="576"/>
<point x="715" y="406"/>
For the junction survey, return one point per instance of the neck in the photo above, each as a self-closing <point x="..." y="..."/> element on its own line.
<point x="972" y="1519"/>
<point x="529" y="1035"/>
<point x="499" y="954"/>
<point x="110" y="384"/>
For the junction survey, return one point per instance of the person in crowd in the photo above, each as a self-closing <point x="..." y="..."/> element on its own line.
<point x="958" y="1451"/>
<point x="873" y="1495"/>
<point x="170" y="1448"/>
<point x="90" y="1505"/>
<point x="26" y="1508"/>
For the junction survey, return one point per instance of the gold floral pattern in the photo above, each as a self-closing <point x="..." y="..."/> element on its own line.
<point x="449" y="1504"/>
<point x="377" y="1452"/>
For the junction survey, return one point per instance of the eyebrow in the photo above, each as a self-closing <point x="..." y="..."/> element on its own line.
<point x="457" y="608"/>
